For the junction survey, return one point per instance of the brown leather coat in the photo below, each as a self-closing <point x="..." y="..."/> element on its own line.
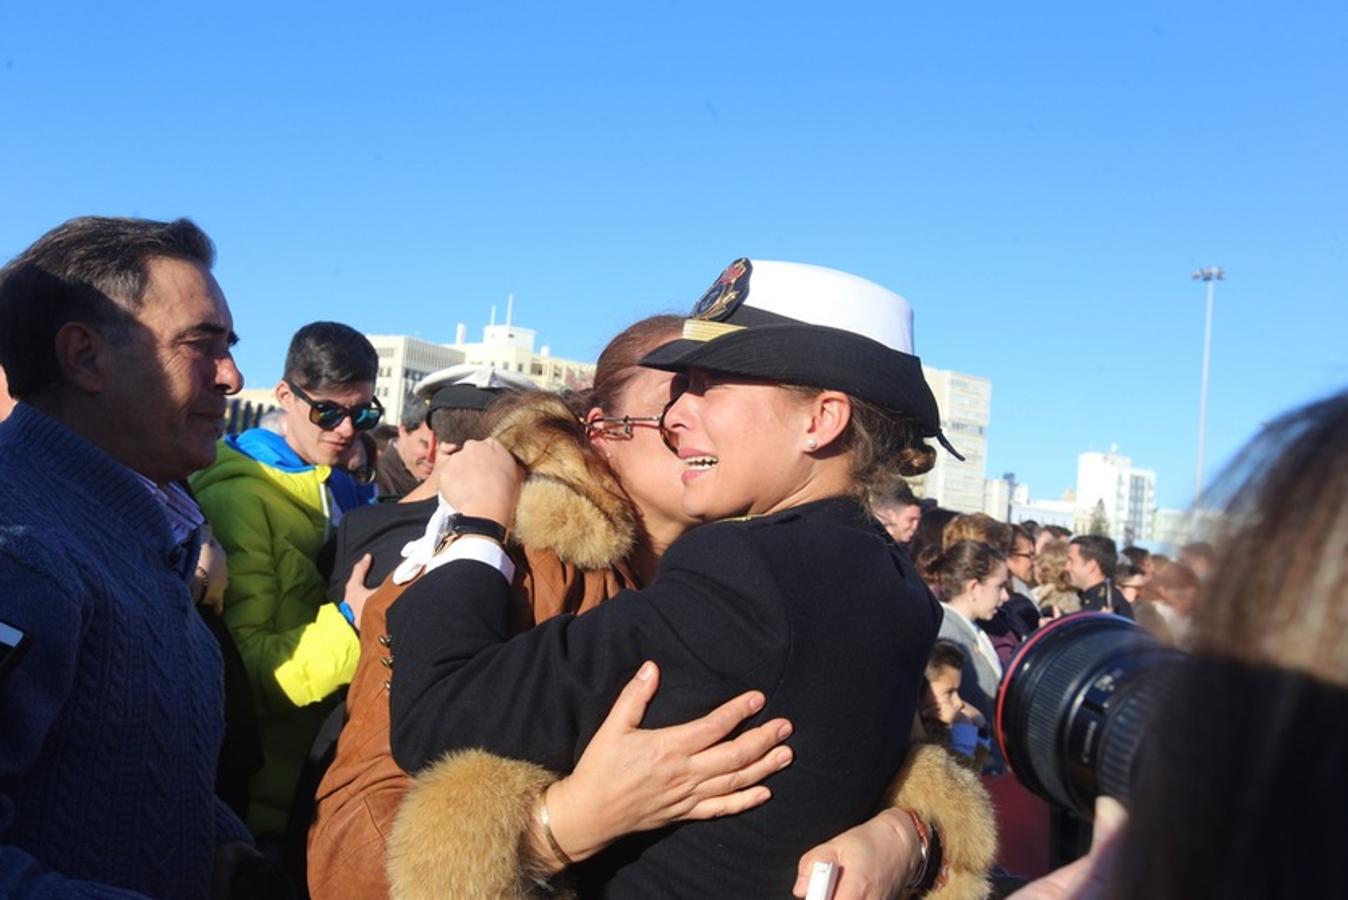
<point x="571" y="514"/>
<point x="362" y="790"/>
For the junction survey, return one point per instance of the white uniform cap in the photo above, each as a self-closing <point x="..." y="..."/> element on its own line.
<point x="823" y="296"/>
<point x="472" y="375"/>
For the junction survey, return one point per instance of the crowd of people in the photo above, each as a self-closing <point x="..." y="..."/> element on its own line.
<point x="686" y="633"/>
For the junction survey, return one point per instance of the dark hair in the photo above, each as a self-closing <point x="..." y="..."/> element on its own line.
<point x="883" y="443"/>
<point x="383" y="433"/>
<point x="1098" y="548"/>
<point x="414" y="413"/>
<point x="91" y="269"/>
<point x="1059" y="533"/>
<point x="926" y="543"/>
<point x="368" y="470"/>
<point x="898" y="496"/>
<point x="325" y="354"/>
<point x="453" y="425"/>
<point x="1136" y="555"/>
<point x="961" y="562"/>
<point x="1022" y="533"/>
<point x="945" y="655"/>
<point x="619" y="362"/>
<point x="1030" y="527"/>
<point x="1125" y="569"/>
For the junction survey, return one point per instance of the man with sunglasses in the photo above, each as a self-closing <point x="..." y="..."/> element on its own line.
<point x="274" y="501"/>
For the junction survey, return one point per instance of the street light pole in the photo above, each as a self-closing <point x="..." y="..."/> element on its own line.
<point x="1212" y="275"/>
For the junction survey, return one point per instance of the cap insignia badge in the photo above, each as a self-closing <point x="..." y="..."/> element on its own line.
<point x="726" y="293"/>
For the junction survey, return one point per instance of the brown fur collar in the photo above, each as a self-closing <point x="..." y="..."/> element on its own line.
<point x="934" y="785"/>
<point x="571" y="503"/>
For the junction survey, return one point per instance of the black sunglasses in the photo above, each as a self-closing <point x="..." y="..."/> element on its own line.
<point x="328" y="415"/>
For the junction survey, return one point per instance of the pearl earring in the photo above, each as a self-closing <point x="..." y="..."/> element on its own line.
<point x="811" y="443"/>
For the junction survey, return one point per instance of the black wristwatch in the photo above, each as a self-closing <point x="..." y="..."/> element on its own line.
<point x="459" y="525"/>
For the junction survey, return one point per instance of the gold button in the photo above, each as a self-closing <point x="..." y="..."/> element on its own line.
<point x="385" y="639"/>
<point x="387" y="661"/>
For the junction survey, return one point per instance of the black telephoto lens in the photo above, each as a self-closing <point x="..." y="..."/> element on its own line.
<point x="1074" y="705"/>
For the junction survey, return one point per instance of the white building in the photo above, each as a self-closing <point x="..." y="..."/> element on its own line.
<point x="965" y="402"/>
<point x="1001" y="494"/>
<point x="511" y="348"/>
<point x="403" y="361"/>
<point x="1046" y="512"/>
<point x="1108" y="484"/>
<point x="1173" y="529"/>
<point x="997" y="498"/>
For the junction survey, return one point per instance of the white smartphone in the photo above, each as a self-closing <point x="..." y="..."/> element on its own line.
<point x="823" y="879"/>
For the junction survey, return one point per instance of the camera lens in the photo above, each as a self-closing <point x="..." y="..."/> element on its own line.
<point x="1074" y="706"/>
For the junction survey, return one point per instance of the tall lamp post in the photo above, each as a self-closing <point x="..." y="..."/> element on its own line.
<point x="1212" y="275"/>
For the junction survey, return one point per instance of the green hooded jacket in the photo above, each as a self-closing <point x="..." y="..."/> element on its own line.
<point x="272" y="520"/>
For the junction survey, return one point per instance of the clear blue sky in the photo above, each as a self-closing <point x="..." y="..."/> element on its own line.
<point x="1039" y="180"/>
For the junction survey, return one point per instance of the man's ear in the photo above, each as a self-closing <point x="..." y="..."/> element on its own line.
<point x="830" y="411"/>
<point x="81" y="354"/>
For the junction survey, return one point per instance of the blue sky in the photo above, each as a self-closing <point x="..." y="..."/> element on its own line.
<point x="1039" y="180"/>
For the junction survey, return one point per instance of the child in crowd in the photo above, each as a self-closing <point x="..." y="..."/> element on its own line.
<point x="945" y="715"/>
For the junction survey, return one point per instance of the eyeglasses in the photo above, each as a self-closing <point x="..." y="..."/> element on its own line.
<point x="624" y="424"/>
<point x="328" y="415"/>
<point x="621" y="427"/>
<point x="1024" y="555"/>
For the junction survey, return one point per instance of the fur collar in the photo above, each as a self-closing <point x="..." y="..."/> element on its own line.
<point x="571" y="503"/>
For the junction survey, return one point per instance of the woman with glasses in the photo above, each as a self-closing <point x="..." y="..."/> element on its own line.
<point x="797" y="390"/>
<point x="273" y="501"/>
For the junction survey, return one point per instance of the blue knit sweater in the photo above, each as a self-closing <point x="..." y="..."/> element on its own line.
<point x="110" y="724"/>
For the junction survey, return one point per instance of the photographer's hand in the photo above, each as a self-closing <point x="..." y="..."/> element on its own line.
<point x="1088" y="878"/>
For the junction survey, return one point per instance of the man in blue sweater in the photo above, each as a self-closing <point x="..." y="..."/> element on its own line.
<point x="116" y="341"/>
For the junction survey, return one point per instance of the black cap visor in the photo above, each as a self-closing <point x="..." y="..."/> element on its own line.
<point x="461" y="396"/>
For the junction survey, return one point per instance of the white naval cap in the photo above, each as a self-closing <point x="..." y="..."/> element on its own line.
<point x="469" y="386"/>
<point x="475" y="375"/>
<point x="833" y="298"/>
<point x="810" y="325"/>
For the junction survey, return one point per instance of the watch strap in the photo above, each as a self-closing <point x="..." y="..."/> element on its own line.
<point x="459" y="524"/>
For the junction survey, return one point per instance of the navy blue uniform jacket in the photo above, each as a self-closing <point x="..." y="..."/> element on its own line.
<point x="811" y="606"/>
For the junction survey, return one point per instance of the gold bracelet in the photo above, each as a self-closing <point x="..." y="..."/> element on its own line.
<point x="546" y="821"/>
